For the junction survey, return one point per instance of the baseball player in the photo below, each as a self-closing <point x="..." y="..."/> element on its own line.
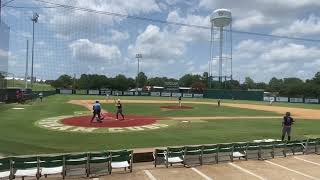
<point x="219" y="102"/>
<point x="286" y="125"/>
<point x="119" y="109"/>
<point x="96" y="112"/>
<point x="271" y="101"/>
<point x="179" y="99"/>
<point x="107" y="97"/>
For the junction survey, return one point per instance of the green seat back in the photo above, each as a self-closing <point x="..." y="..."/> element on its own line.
<point x="99" y="157"/>
<point x="51" y="161"/>
<point x="267" y="145"/>
<point x="122" y="155"/>
<point x="295" y="143"/>
<point x="210" y="149"/>
<point x="225" y="147"/>
<point x="193" y="150"/>
<point x="237" y="147"/>
<point x="253" y="146"/>
<point x="159" y="152"/>
<point x="175" y="151"/>
<point x="5" y="164"/>
<point x="76" y="159"/>
<point x="25" y="162"/>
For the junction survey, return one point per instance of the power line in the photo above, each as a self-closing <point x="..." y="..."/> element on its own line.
<point x="32" y="7"/>
<point x="57" y="5"/>
<point x="173" y="23"/>
<point x="6" y="3"/>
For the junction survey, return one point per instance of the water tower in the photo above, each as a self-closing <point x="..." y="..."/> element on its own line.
<point x="221" y="44"/>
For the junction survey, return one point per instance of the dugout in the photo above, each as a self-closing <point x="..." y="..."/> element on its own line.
<point x="233" y="94"/>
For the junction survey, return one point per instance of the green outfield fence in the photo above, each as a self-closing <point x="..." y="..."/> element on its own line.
<point x="233" y="94"/>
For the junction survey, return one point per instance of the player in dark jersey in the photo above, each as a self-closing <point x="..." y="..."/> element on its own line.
<point x="119" y="109"/>
<point x="286" y="126"/>
<point x="96" y="112"/>
<point x="179" y="99"/>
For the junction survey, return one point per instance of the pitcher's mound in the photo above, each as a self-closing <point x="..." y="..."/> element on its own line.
<point x="110" y="121"/>
<point x="176" y="107"/>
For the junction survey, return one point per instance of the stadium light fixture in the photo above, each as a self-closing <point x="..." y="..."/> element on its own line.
<point x="138" y="56"/>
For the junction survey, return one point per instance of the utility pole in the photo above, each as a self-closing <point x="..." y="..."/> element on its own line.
<point x="0" y="12"/>
<point x="27" y="65"/>
<point x="138" y="56"/>
<point x="34" y="20"/>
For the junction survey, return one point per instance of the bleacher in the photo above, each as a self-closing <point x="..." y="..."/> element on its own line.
<point x="87" y="163"/>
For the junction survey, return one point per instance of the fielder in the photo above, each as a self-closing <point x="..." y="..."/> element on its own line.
<point x="179" y="99"/>
<point x="286" y="126"/>
<point x="271" y="101"/>
<point x="119" y="109"/>
<point x="107" y="97"/>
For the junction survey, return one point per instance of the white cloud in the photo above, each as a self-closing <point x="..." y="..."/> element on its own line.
<point x="251" y="19"/>
<point x="118" y="36"/>
<point x="265" y="59"/>
<point x="307" y="26"/>
<point x="156" y="44"/>
<point x="190" y="33"/>
<point x="85" y="50"/>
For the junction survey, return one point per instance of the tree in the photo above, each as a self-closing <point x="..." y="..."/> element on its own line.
<point x="249" y="83"/>
<point x="142" y="79"/>
<point x="157" y="81"/>
<point x="275" y="84"/>
<point x="205" y="78"/>
<point x="188" y="79"/>
<point x="64" y="81"/>
<point x="120" y="83"/>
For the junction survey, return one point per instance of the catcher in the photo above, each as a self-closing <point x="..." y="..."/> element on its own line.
<point x="119" y="109"/>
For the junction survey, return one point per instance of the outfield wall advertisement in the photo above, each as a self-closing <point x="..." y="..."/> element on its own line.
<point x="93" y="92"/>
<point x="155" y="93"/>
<point x="296" y="100"/>
<point x="282" y="99"/>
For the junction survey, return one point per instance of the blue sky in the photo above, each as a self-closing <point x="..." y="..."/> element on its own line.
<point x="69" y="41"/>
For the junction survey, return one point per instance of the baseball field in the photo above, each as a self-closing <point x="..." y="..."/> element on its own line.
<point x="61" y="123"/>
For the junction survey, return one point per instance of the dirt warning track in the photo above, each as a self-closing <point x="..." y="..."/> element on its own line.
<point x="300" y="113"/>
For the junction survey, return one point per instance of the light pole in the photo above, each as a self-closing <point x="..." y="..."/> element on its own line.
<point x="34" y="20"/>
<point x="138" y="56"/>
<point x="27" y="65"/>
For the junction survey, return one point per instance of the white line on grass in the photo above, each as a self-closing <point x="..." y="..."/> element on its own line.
<point x="246" y="171"/>
<point x="150" y="176"/>
<point x="298" y="172"/>
<point x="311" y="162"/>
<point x="201" y="174"/>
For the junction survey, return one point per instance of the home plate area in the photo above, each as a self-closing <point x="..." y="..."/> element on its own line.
<point x="109" y="120"/>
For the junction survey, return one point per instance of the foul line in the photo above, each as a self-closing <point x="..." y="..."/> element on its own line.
<point x="201" y="174"/>
<point x="303" y="174"/>
<point x="150" y="176"/>
<point x="311" y="162"/>
<point x="246" y="171"/>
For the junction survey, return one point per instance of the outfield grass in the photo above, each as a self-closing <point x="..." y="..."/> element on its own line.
<point x="19" y="135"/>
<point x="36" y="86"/>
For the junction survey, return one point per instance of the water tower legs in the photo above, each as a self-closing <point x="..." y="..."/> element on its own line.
<point x="220" y="54"/>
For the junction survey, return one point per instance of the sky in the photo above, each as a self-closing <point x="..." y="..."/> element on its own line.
<point x="75" y="42"/>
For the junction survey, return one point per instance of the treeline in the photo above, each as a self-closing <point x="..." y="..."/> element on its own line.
<point x="284" y="87"/>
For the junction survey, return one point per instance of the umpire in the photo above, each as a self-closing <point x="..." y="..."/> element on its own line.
<point x="286" y="126"/>
<point x="96" y="111"/>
